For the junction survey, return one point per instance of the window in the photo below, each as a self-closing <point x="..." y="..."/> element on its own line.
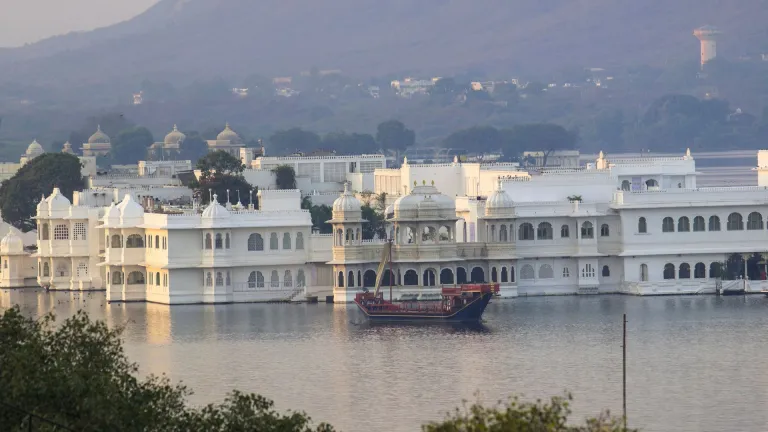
<point x="165" y="279"/>
<point x="493" y="233"/>
<point x="642" y="226"/>
<point x="755" y="221"/>
<point x="208" y="242"/>
<point x="526" y="273"/>
<point x="259" y="280"/>
<point x="669" y="271"/>
<point x="61" y="232"/>
<point x="504" y="275"/>
<point x="46" y="270"/>
<point x="134" y="241"/>
<point x="606" y="271"/>
<point x="157" y="242"/>
<point x="668" y="225"/>
<point x="274" y="281"/>
<point x="714" y="223"/>
<point x="625" y="185"/>
<point x="340" y="282"/>
<point x="219" y="279"/>
<point x="651" y="183"/>
<point x="78" y="232"/>
<point x="565" y="232"/>
<point x="351" y="279"/>
<point x="301" y="281"/>
<point x="135" y="278"/>
<point x="588" y="271"/>
<point x="587" y="231"/>
<point x="46" y="233"/>
<point x="503" y="233"/>
<point x="287" y="241"/>
<point x="685" y="271"/>
<point x="698" y="224"/>
<point x="715" y="270"/>
<point x="255" y="242"/>
<point x="82" y="270"/>
<point x="228" y="280"/>
<point x="566" y="273"/>
<point x="287" y="279"/>
<point x="252" y="280"/>
<point x="643" y="272"/>
<point x="512" y="274"/>
<point x="273" y="241"/>
<point x="117" y="241"/>
<point x="544" y="231"/>
<point x="683" y="224"/>
<point x="165" y="242"/>
<point x="546" y="272"/>
<point x="117" y="278"/>
<point x="605" y="231"/>
<point x="157" y="278"/>
<point x="62" y="270"/>
<point x="494" y="275"/>
<point x="219" y="242"/>
<point x="735" y="222"/>
<point x="226" y="241"/>
<point x="525" y="231"/>
<point x="700" y="271"/>
<point x="208" y="279"/>
<point x="299" y="241"/>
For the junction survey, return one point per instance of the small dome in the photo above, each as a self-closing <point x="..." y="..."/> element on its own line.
<point x="425" y="201"/>
<point x="347" y="205"/>
<point x="499" y="201"/>
<point x="174" y="137"/>
<point x="41" y="206"/>
<point x="130" y="209"/>
<point x="99" y="137"/>
<point x="112" y="215"/>
<point x="11" y="243"/>
<point x="215" y="210"/>
<point x="67" y="148"/>
<point x="228" y="135"/>
<point x="34" y="150"/>
<point x="57" y="201"/>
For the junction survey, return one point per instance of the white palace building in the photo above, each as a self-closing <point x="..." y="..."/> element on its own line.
<point x="636" y="226"/>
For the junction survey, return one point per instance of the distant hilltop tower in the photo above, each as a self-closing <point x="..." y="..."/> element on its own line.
<point x="708" y="36"/>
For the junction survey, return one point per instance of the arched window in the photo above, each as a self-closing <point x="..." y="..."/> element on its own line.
<point x="669" y="271"/>
<point x="301" y="281"/>
<point x="255" y="242"/>
<point x="157" y="278"/>
<point x="566" y="273"/>
<point x="735" y="222"/>
<point x="502" y="233"/>
<point x="82" y="270"/>
<point x="78" y="232"/>
<point x="339" y="237"/>
<point x="651" y="183"/>
<point x="446" y="276"/>
<point x="340" y="280"/>
<point x="755" y="221"/>
<point x="685" y="271"/>
<point x="546" y="272"/>
<point x="351" y="279"/>
<point x="165" y="279"/>
<point x="287" y="241"/>
<point x="219" y="279"/>
<point x="526" y="273"/>
<point x="350" y="236"/>
<point x="714" y="223"/>
<point x="299" y="241"/>
<point x="512" y="274"/>
<point x="135" y="278"/>
<point x="165" y="242"/>
<point x="228" y="281"/>
<point x="208" y="279"/>
<point x="493" y="233"/>
<point x="606" y="271"/>
<point x="252" y="280"/>
<point x="134" y="241"/>
<point x="525" y="232"/>
<point x="587" y="231"/>
<point x="157" y="242"/>
<point x="117" y="278"/>
<point x="208" y="241"/>
<point x="700" y="271"/>
<point x="61" y="232"/>
<point x="477" y="275"/>
<point x="644" y="272"/>
<point x="219" y="241"/>
<point x="46" y="232"/>
<point x="62" y="269"/>
<point x="715" y="270"/>
<point x="226" y="241"/>
<point x="642" y="226"/>
<point x="565" y="231"/>
<point x="410" y="278"/>
<point x="46" y="269"/>
<point x="625" y="185"/>
<point x="273" y="241"/>
<point x="117" y="241"/>
<point x="698" y="224"/>
<point x="588" y="271"/>
<point x="494" y="275"/>
<point x="461" y="275"/>
<point x="274" y="280"/>
<point x="668" y="225"/>
<point x="683" y="224"/>
<point x="544" y="231"/>
<point x="605" y="231"/>
<point x="504" y="275"/>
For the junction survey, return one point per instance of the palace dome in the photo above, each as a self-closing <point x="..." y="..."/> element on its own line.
<point x="34" y="150"/>
<point x="347" y="206"/>
<point x="499" y="203"/>
<point x="112" y="216"/>
<point x="424" y="201"/>
<point x="99" y="137"/>
<point x="42" y="208"/>
<point x="228" y="135"/>
<point x="130" y="209"/>
<point x="57" y="201"/>
<point x="215" y="210"/>
<point x="11" y="243"/>
<point x="174" y="137"/>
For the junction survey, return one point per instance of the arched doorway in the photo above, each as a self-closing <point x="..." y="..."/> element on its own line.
<point x="478" y="275"/>
<point x="446" y="276"/>
<point x="429" y="277"/>
<point x="411" y="278"/>
<point x="387" y="277"/>
<point x="340" y="282"/>
<point x="461" y="275"/>
<point x="369" y="278"/>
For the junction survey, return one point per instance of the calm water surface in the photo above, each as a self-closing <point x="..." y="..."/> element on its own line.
<point x="696" y="363"/>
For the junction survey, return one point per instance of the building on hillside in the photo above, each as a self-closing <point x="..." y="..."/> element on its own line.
<point x="169" y="148"/>
<point x="99" y="144"/>
<point x="553" y="159"/>
<point x="228" y="141"/>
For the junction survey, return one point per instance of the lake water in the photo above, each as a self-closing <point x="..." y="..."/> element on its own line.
<point x="696" y="363"/>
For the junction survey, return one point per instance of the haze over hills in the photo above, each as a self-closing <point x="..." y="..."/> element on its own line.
<point x="182" y="40"/>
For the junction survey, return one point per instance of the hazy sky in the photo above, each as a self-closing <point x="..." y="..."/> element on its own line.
<point x="23" y="21"/>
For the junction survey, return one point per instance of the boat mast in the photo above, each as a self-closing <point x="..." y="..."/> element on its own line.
<point x="391" y="275"/>
<point x="624" y="375"/>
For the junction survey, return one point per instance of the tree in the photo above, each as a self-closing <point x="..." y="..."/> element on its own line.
<point x="392" y="135"/>
<point x="220" y="184"/>
<point x="219" y="162"/>
<point x="285" y="177"/>
<point x="374" y="227"/>
<point x="77" y="375"/>
<point x="546" y="137"/>
<point x="20" y="194"/>
<point x="130" y="145"/>
<point x="320" y="215"/>
<point x="293" y="140"/>
<point x="381" y="202"/>
<point x="193" y="147"/>
<point x="477" y="138"/>
<point x="344" y="143"/>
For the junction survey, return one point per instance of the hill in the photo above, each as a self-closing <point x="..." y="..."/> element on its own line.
<point x="184" y="40"/>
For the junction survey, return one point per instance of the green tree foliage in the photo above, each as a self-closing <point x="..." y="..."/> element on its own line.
<point x="516" y="416"/>
<point x="285" y="177"/>
<point x="20" y="194"/>
<point x="219" y="162"/>
<point x="546" y="137"/>
<point x="294" y="140"/>
<point x="345" y="143"/>
<point x="392" y="135"/>
<point x="193" y="147"/>
<point x="219" y="172"/>
<point x="320" y="215"/>
<point x="130" y="145"/>
<point x="77" y="375"/>
<point x="477" y="138"/>
<point x="374" y="227"/>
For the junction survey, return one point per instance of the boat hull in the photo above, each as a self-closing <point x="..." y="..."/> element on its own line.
<point x="472" y="312"/>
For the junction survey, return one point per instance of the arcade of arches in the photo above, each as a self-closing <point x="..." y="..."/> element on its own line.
<point x="428" y="275"/>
